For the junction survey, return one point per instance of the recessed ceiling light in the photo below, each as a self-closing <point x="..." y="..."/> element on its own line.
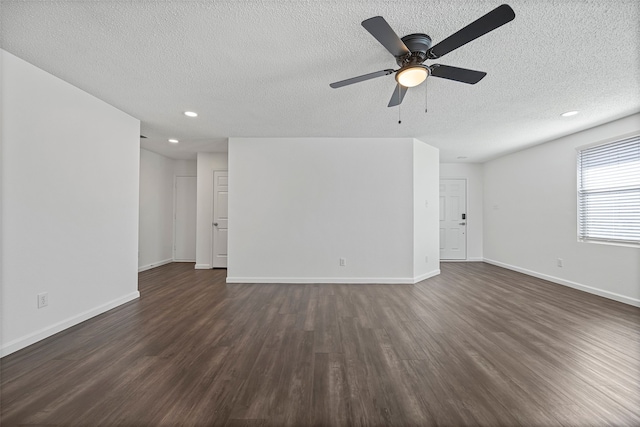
<point x="569" y="114"/>
<point x="173" y="141"/>
<point x="190" y="114"/>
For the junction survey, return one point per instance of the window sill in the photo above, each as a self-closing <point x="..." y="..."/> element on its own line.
<point x="611" y="243"/>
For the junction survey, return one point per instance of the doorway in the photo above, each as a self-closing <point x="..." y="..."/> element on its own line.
<point x="184" y="226"/>
<point x="220" y="219"/>
<point x="453" y="219"/>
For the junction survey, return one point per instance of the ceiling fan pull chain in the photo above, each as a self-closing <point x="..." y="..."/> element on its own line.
<point x="426" y="91"/>
<point x="399" y="103"/>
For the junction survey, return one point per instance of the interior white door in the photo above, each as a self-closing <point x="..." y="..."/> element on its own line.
<point x="453" y="219"/>
<point x="220" y="219"/>
<point x="184" y="232"/>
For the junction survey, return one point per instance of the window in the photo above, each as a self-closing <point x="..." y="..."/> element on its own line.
<point x="609" y="192"/>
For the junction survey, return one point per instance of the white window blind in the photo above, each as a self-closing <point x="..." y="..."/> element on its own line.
<point x="609" y="192"/>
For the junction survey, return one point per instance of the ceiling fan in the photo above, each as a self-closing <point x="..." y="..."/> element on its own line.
<point x="412" y="50"/>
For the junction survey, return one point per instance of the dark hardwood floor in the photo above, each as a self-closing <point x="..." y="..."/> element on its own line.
<point x="477" y="345"/>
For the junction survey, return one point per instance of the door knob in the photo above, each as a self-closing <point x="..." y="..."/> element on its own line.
<point x="463" y="223"/>
<point x="215" y="224"/>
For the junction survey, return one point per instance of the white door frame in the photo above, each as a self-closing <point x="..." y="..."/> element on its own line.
<point x="466" y="201"/>
<point x="213" y="211"/>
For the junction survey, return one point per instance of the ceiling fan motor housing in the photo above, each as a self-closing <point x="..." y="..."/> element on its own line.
<point x="418" y="45"/>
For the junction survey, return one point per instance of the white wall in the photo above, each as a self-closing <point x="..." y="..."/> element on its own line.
<point x="185" y="167"/>
<point x="207" y="163"/>
<point x="156" y="210"/>
<point x="473" y="173"/>
<point x="530" y="218"/>
<point x="298" y="205"/>
<point x="426" y="198"/>
<point x="3" y="106"/>
<point x="70" y="204"/>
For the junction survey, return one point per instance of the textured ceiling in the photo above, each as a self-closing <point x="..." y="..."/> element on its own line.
<point x="263" y="68"/>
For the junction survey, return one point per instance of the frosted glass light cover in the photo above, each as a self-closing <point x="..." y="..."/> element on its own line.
<point x="411" y="77"/>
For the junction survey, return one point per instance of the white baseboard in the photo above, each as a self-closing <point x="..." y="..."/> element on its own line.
<point x="463" y="260"/>
<point x="600" y="292"/>
<point x="425" y="276"/>
<point x="154" y="265"/>
<point x="337" y="280"/>
<point x="203" y="267"/>
<point x="43" y="333"/>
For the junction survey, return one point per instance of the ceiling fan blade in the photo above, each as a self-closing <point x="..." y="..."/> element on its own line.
<point x="458" y="74"/>
<point x="398" y="95"/>
<point x="489" y="22"/>
<point x="380" y="29"/>
<point x="358" y="79"/>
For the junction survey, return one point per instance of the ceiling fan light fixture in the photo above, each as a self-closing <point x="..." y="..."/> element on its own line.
<point x="412" y="76"/>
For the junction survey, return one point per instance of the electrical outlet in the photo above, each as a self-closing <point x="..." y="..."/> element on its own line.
<point x="343" y="262"/>
<point x="43" y="299"/>
<point x="560" y="262"/>
<point x="426" y="259"/>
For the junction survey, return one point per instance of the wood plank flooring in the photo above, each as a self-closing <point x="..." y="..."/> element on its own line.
<point x="477" y="345"/>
